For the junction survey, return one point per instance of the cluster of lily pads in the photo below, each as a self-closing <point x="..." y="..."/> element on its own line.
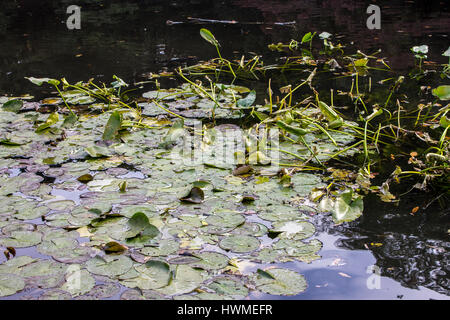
<point x="95" y="208"/>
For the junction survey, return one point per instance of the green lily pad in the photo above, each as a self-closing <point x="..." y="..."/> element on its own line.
<point x="229" y="286"/>
<point x="103" y="291"/>
<point x="57" y="246"/>
<point x="110" y="266"/>
<point x="239" y="243"/>
<point x="210" y="261"/>
<point x="44" y="273"/>
<point x="113" y="126"/>
<point x="442" y="92"/>
<point x="10" y="284"/>
<point x="13" y="105"/>
<point x="78" y="282"/>
<point x="141" y="295"/>
<point x="21" y="239"/>
<point x="294" y="229"/>
<point x="31" y="213"/>
<point x="13" y="265"/>
<point x="152" y="275"/>
<point x="164" y="248"/>
<point x="55" y="294"/>
<point x="345" y="208"/>
<point x="141" y="231"/>
<point x="185" y="279"/>
<point x="282" y="282"/>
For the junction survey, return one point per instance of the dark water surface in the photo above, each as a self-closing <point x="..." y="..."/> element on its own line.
<point x="132" y="38"/>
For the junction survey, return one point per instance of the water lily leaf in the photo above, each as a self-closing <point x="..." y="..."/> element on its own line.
<point x="55" y="294"/>
<point x="110" y="266"/>
<point x="60" y="205"/>
<point x="51" y="101"/>
<point x="185" y="279"/>
<point x="152" y="275"/>
<point x="165" y="248"/>
<point x="31" y="213"/>
<point x="113" y="126"/>
<point x="229" y="220"/>
<point x="40" y="81"/>
<point x="239" y="243"/>
<point x="251" y="228"/>
<point x="208" y="36"/>
<point x="104" y="291"/>
<point x="78" y="282"/>
<point x="361" y="62"/>
<point x="141" y="295"/>
<point x="247" y="101"/>
<point x="114" y="247"/>
<point x="294" y="229"/>
<point x="269" y="255"/>
<point x="302" y="251"/>
<point x="184" y="259"/>
<point x="444" y="121"/>
<point x="202" y="296"/>
<point x="265" y="274"/>
<point x="210" y="260"/>
<point x="10" y="284"/>
<point x="57" y="246"/>
<point x="77" y="255"/>
<point x="141" y="231"/>
<point x="442" y="92"/>
<point x="41" y="268"/>
<point x="229" y="286"/>
<point x="8" y="142"/>
<point x="308" y="37"/>
<point x="140" y="225"/>
<point x="174" y="133"/>
<point x="44" y="274"/>
<point x="51" y="120"/>
<point x="85" y="178"/>
<point x="14" y="265"/>
<point x="281" y="282"/>
<point x="347" y="210"/>
<point x="21" y="239"/>
<point x="70" y="120"/>
<point x="13" y="105"/>
<point x="196" y="195"/>
<point x="98" y="152"/>
<point x="344" y="208"/>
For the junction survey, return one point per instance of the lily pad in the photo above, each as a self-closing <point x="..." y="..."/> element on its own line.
<point x="210" y="261"/>
<point x="152" y="275"/>
<point x="239" y="243"/>
<point x="78" y="281"/>
<point x="229" y="286"/>
<point x="442" y="92"/>
<point x="10" y="284"/>
<point x="282" y="282"/>
<point x="21" y="239"/>
<point x="185" y="279"/>
<point x="110" y="266"/>
<point x="293" y="229"/>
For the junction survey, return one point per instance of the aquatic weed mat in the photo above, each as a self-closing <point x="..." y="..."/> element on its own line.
<point x="86" y="218"/>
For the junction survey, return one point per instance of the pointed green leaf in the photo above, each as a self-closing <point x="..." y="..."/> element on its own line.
<point x="113" y="126"/>
<point x="13" y="105"/>
<point x="208" y="36"/>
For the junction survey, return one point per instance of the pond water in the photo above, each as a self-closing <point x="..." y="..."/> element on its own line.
<point x="130" y="39"/>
